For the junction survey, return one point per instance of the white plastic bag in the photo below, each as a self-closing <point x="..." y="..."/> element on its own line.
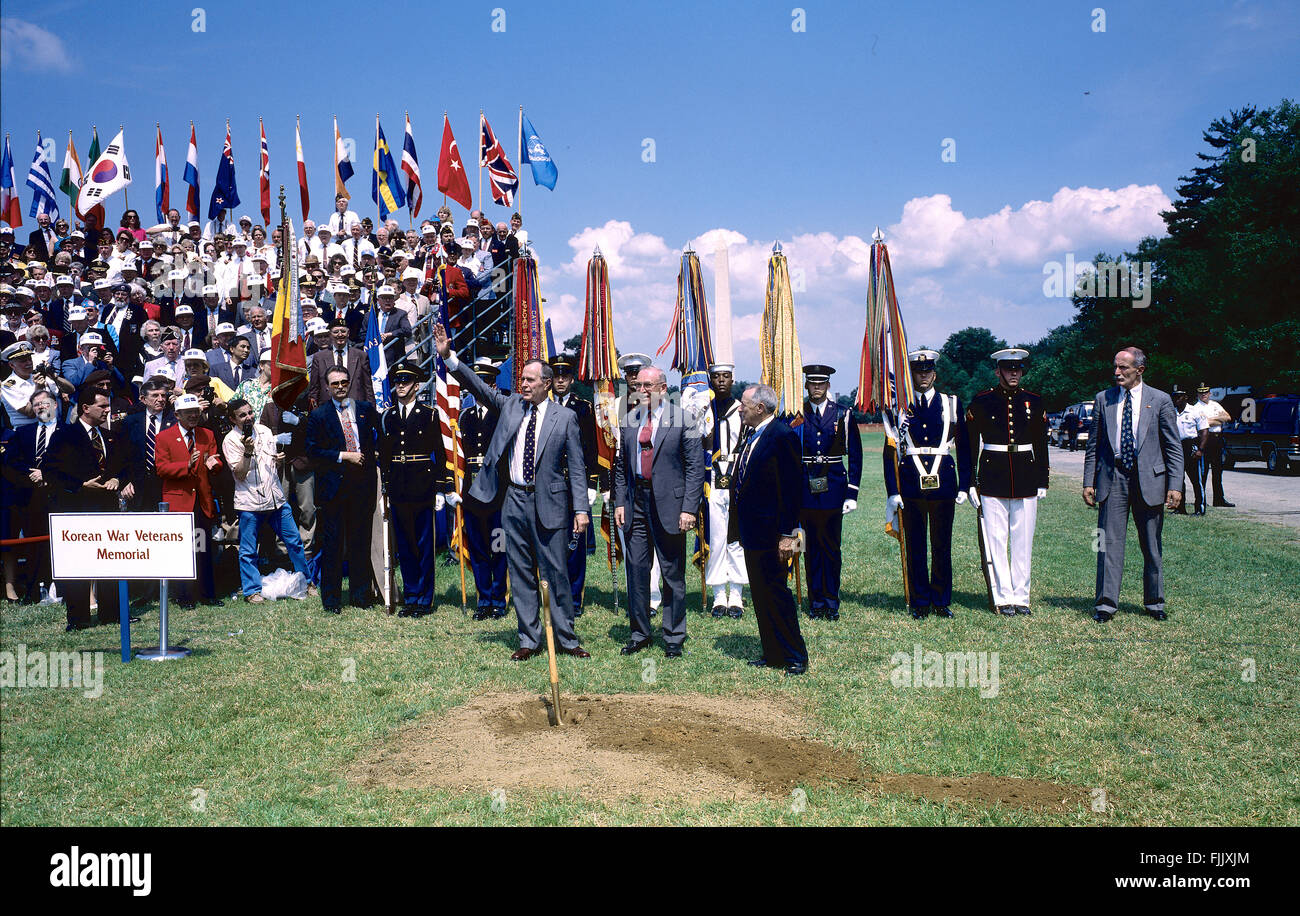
<point x="284" y="584"/>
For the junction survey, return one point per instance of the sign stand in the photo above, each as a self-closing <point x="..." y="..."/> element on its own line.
<point x="162" y="652"/>
<point x="124" y="620"/>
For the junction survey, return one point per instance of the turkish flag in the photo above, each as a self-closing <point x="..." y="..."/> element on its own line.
<point x="452" y="179"/>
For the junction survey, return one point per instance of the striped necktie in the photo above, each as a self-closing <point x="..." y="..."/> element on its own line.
<point x="40" y="445"/>
<point x="149" y="442"/>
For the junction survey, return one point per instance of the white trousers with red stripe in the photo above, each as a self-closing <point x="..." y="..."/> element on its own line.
<point x="1009" y="527"/>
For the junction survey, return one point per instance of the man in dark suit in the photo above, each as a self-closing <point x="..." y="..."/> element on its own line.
<point x="564" y="394"/>
<point x="534" y="470"/>
<point x="394" y="326"/>
<point x="765" y="501"/>
<point x="26" y="485"/>
<point x="342" y="354"/>
<point x="139" y="434"/>
<point x="187" y="458"/>
<point x="43" y="239"/>
<point x="1134" y="462"/>
<point x="658" y="480"/>
<point x="84" y="467"/>
<point x="342" y="435"/>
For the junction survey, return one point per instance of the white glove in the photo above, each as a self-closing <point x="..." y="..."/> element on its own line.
<point x="850" y="505"/>
<point x="893" y="506"/>
<point x="606" y="497"/>
<point x="453" y="499"/>
<point x="1042" y="491"/>
<point x="591" y="496"/>
<point x="289" y="417"/>
<point x="438" y="502"/>
<point x="961" y="498"/>
<point x="974" y="497"/>
<point x="283" y="438"/>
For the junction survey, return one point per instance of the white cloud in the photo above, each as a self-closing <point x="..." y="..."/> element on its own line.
<point x="26" y="46"/>
<point x="951" y="271"/>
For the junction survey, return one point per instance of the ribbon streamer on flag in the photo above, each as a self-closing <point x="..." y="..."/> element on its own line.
<point x="288" y="338"/>
<point x="690" y="329"/>
<point x="530" y="325"/>
<point x="779" y="339"/>
<point x="598" y="364"/>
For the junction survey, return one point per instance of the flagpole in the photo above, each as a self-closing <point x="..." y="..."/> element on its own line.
<point x="480" y="159"/>
<point x="374" y="165"/>
<point x="126" y="203"/>
<point x="519" y="160"/>
<point x="444" y="193"/>
<point x="409" y="223"/>
<point x="72" y="201"/>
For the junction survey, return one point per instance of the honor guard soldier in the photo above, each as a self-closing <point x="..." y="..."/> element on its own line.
<point x="725" y="571"/>
<point x="583" y="544"/>
<point x="1007" y="426"/>
<point x="477" y="424"/>
<point x="414" y="468"/>
<point x="926" y="485"/>
<point x="828" y="434"/>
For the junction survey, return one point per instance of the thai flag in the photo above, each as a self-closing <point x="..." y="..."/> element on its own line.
<point x="161" y="186"/>
<point x="192" y="176"/>
<point x="411" y="166"/>
<point x="41" y="182"/>
<point x="264" y="178"/>
<point x="501" y="176"/>
<point x="378" y="362"/>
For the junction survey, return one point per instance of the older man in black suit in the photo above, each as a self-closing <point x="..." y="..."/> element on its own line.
<point x="340" y="353"/>
<point x="342" y="436"/>
<point x="658" y="479"/>
<point x="766" y="491"/>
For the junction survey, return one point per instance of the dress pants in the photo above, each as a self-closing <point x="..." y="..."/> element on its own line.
<point x="648" y="538"/>
<point x="489" y="566"/>
<point x="349" y="515"/>
<point x="931" y="584"/>
<point x="1213" y="467"/>
<point x="1009" y="525"/>
<point x="1193" y="474"/>
<point x="532" y="549"/>
<point x="778" y="622"/>
<point x="823" y="529"/>
<point x="1126" y="495"/>
<point x="413" y="531"/>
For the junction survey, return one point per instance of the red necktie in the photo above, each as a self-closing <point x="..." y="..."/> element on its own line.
<point x="645" y="439"/>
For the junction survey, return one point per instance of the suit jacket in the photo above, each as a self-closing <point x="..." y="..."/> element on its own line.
<point x="765" y="499"/>
<point x="1158" y="448"/>
<point x="325" y="440"/>
<point x="362" y="387"/>
<point x="71" y="460"/>
<point x="676" y="471"/>
<point x="560" y="477"/>
<point x="399" y="325"/>
<point x="134" y="433"/>
<point x="222" y="366"/>
<point x="37" y="241"/>
<point x="19" y="459"/>
<point x="185" y="489"/>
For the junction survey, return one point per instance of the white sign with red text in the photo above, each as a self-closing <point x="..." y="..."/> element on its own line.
<point x="122" y="545"/>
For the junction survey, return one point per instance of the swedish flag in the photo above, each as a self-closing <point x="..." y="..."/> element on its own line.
<point x="385" y="188"/>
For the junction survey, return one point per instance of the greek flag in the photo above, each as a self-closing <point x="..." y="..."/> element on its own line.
<point x="42" y="185"/>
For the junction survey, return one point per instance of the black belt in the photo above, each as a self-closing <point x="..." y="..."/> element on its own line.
<point x="526" y="487"/>
<point x="643" y="484"/>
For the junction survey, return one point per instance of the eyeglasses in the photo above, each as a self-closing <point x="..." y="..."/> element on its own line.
<point x="339" y="384"/>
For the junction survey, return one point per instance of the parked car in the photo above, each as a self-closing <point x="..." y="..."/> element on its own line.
<point x="1274" y="436"/>
<point x="1056" y="434"/>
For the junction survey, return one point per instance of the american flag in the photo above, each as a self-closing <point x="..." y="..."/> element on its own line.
<point x="411" y="166"/>
<point x="447" y="394"/>
<point x="264" y="178"/>
<point x="501" y="176"/>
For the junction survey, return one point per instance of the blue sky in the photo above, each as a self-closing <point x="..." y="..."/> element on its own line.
<point x="1067" y="139"/>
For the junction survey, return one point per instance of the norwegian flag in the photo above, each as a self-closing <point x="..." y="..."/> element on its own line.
<point x="264" y="178"/>
<point x="501" y="176"/>
<point x="411" y="166"/>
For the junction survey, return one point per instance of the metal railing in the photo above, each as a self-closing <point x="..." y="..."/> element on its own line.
<point x="487" y="325"/>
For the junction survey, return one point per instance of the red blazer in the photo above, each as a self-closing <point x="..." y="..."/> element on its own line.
<point x="179" y="483"/>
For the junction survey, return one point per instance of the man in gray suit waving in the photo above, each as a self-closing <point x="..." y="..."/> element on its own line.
<point x="658" y="479"/>
<point x="533" y="471"/>
<point x="1134" y="462"/>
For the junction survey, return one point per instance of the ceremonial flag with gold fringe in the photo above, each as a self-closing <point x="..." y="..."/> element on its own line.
<point x="288" y="340"/>
<point x="530" y="324"/>
<point x="779" y="340"/>
<point x="598" y="364"/>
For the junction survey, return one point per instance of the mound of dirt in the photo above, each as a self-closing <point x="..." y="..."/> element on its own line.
<point x="690" y="748"/>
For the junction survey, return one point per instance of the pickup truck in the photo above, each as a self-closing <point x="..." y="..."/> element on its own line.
<point x="1274" y="436"/>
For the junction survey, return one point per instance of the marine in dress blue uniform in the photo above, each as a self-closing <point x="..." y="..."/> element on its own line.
<point x="414" y="465"/>
<point x="477" y="424"/>
<point x="928" y="484"/>
<point x="830" y="492"/>
<point x="583" y="544"/>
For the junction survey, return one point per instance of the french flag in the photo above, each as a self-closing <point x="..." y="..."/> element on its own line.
<point x="162" y="189"/>
<point x="192" y="176"/>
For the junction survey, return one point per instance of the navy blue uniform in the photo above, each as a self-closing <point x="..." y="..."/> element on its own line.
<point x="827" y="438"/>
<point x="414" y="468"/>
<point x="930" y="508"/>
<point x="577" y="559"/>
<point x="476" y="427"/>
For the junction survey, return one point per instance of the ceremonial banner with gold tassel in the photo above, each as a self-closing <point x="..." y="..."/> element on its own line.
<point x="288" y="336"/>
<point x="530" y="325"/>
<point x="779" y="340"/>
<point x="598" y="364"/>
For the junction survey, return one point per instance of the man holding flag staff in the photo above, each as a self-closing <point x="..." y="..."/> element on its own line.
<point x="928" y="485"/>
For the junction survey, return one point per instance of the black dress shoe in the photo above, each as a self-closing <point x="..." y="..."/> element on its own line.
<point x="73" y="627"/>
<point x="1224" y="505"/>
<point x="1200" y="511"/>
<point x="1023" y="609"/>
<point x="577" y="612"/>
<point x="942" y="612"/>
<point x="1158" y="615"/>
<point x="632" y="648"/>
<point x="406" y="612"/>
<point x="482" y="613"/>
<point x="831" y="615"/>
<point x="759" y="663"/>
<point x="736" y="612"/>
<point x="795" y="668"/>
<point x="672" y="651"/>
<point x="920" y="613"/>
<point x="133" y="619"/>
<point x="1007" y="610"/>
<point x="333" y="610"/>
<point x="1102" y="616"/>
<point x="719" y="610"/>
<point x="499" y="612"/>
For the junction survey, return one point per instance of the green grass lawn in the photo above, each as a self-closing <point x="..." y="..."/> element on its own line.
<point x="1158" y="715"/>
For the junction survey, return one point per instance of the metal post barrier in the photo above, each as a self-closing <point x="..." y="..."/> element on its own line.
<point x="162" y="651"/>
